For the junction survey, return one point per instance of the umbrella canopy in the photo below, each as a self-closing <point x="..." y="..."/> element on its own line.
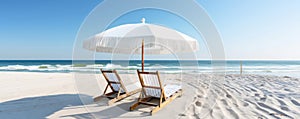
<point x="152" y="39"/>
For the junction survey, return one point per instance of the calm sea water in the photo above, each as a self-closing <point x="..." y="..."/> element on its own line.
<point x="289" y="68"/>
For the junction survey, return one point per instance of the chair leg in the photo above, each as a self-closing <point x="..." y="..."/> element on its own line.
<point x="132" y="107"/>
<point x="119" y="92"/>
<point x="105" y="89"/>
<point x="156" y="109"/>
<point x="180" y="93"/>
<point x="116" y="99"/>
<point x="112" y="101"/>
<point x="163" y="104"/>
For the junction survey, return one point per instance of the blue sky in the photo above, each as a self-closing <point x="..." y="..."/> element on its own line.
<point x="250" y="29"/>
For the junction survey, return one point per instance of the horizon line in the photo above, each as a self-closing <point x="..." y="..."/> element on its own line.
<point x="154" y="59"/>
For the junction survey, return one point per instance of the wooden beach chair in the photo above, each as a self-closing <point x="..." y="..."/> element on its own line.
<point x="118" y="89"/>
<point x="152" y="88"/>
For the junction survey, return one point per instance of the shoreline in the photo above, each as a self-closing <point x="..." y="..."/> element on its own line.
<point x="163" y="72"/>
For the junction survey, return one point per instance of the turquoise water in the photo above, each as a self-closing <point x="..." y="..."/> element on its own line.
<point x="289" y="68"/>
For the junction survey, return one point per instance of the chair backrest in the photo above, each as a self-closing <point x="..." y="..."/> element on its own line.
<point x="151" y="84"/>
<point x="113" y="80"/>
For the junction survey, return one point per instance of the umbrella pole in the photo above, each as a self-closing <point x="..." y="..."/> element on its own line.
<point x="143" y="55"/>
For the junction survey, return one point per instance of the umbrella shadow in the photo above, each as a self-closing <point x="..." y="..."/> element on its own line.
<point x="120" y="110"/>
<point x="38" y="107"/>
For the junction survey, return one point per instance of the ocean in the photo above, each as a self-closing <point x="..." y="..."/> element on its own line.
<point x="280" y="68"/>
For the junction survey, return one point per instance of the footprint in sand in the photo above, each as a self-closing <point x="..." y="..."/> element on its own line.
<point x="253" y="90"/>
<point x="284" y="108"/>
<point x="198" y="103"/>
<point x="224" y="102"/>
<point x="245" y="104"/>
<point x="261" y="118"/>
<point x="262" y="85"/>
<point x="263" y="99"/>
<point x="288" y="90"/>
<point x="228" y="96"/>
<point x="295" y="102"/>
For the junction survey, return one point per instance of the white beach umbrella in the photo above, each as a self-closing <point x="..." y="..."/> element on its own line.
<point x="150" y="38"/>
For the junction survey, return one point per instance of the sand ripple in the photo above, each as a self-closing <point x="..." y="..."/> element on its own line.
<point x="247" y="96"/>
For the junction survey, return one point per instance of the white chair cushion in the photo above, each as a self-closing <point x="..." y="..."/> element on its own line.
<point x="171" y="89"/>
<point x="153" y="92"/>
<point x="112" y="77"/>
<point x="150" y="80"/>
<point x="132" y="87"/>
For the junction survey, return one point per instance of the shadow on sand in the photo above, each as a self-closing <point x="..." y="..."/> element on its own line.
<point x="38" y="107"/>
<point x="43" y="106"/>
<point x="120" y="110"/>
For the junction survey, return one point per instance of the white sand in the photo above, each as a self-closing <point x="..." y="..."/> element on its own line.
<point x="54" y="95"/>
